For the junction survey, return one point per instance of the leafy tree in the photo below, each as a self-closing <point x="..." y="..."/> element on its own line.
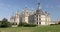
<point x="5" y="23"/>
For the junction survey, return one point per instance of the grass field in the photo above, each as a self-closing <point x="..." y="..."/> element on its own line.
<point x="54" y="28"/>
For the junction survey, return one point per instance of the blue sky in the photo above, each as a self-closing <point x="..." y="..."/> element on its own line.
<point x="9" y="7"/>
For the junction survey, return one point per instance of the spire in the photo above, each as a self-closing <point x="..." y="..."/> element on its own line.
<point x="39" y="6"/>
<point x="39" y="10"/>
<point x="25" y="9"/>
<point x="17" y="12"/>
<point x="38" y="2"/>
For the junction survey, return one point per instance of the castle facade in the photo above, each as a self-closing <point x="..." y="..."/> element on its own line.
<point x="34" y="17"/>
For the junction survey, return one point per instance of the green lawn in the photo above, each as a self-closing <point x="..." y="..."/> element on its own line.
<point x="55" y="28"/>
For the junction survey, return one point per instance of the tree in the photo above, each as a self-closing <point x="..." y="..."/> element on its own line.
<point x="5" y="23"/>
<point x="0" y="23"/>
<point x="59" y="22"/>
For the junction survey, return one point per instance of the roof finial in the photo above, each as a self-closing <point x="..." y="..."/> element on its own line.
<point x="38" y="5"/>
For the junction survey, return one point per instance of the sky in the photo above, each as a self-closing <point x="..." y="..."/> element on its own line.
<point x="9" y="7"/>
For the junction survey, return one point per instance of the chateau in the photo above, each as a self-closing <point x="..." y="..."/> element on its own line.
<point x="34" y="17"/>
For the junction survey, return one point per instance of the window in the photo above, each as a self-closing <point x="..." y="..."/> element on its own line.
<point x="39" y="18"/>
<point x="36" y="15"/>
<point x="39" y="22"/>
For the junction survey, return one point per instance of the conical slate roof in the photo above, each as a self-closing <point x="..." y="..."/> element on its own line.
<point x="39" y="11"/>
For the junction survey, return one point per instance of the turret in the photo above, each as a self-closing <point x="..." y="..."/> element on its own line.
<point x="17" y="18"/>
<point x="25" y="15"/>
<point x="39" y="10"/>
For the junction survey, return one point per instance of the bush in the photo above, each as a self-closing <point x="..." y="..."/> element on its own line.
<point x="14" y="23"/>
<point x="30" y="25"/>
<point x="53" y="24"/>
<point x="5" y="23"/>
<point x="27" y="25"/>
<point x="22" y="24"/>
